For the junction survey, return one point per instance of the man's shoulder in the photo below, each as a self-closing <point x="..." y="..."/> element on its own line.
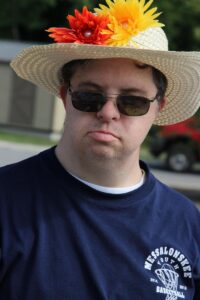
<point x="10" y="169"/>
<point x="175" y="201"/>
<point x="23" y="168"/>
<point x="162" y="191"/>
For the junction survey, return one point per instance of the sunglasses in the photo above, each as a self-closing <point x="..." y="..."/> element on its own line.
<point x="129" y="105"/>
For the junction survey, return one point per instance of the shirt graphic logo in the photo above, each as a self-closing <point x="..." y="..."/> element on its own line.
<point x="169" y="278"/>
<point x="170" y="270"/>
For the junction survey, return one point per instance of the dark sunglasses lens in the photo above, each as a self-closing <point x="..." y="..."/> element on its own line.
<point x="133" y="105"/>
<point x="88" y="102"/>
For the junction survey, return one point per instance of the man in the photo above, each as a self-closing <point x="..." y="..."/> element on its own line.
<point x="87" y="219"/>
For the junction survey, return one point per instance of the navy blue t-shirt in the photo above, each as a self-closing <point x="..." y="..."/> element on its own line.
<point x="62" y="240"/>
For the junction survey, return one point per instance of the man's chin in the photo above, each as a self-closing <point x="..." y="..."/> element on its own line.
<point x="103" y="153"/>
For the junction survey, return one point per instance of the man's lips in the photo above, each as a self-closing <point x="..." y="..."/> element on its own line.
<point x="103" y="135"/>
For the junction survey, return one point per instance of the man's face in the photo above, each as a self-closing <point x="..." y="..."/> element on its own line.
<point x="109" y="135"/>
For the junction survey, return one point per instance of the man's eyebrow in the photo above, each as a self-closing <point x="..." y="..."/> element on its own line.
<point x="133" y="90"/>
<point x="128" y="90"/>
<point x="141" y="65"/>
<point x="89" y="84"/>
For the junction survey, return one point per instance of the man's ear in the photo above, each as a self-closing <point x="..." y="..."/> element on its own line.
<point x="162" y="103"/>
<point x="63" y="94"/>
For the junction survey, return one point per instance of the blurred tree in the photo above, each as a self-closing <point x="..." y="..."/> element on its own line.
<point x="28" y="19"/>
<point x="24" y="19"/>
<point x="16" y="15"/>
<point x="182" y="23"/>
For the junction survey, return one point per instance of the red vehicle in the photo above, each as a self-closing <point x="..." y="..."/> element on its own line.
<point x="180" y="142"/>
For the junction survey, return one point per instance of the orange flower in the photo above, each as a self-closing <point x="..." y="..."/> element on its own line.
<point x="86" y="28"/>
<point x="62" y="35"/>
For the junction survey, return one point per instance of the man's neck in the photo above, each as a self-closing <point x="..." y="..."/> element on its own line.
<point x="109" y="173"/>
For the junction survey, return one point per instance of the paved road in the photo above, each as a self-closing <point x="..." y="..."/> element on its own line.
<point x="187" y="183"/>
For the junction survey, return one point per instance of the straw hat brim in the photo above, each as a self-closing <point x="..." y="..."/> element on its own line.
<point x="41" y="65"/>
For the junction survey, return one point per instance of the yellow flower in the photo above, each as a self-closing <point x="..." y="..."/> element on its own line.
<point x="127" y="19"/>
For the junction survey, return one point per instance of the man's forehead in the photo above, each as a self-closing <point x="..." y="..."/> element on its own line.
<point x="107" y="65"/>
<point x="106" y="74"/>
<point x="110" y="61"/>
<point x="121" y="70"/>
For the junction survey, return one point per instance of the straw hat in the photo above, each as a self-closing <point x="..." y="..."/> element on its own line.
<point x="41" y="64"/>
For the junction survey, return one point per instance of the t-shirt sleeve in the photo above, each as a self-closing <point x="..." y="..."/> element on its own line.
<point x="197" y="290"/>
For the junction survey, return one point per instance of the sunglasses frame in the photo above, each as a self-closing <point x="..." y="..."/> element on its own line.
<point x="118" y="102"/>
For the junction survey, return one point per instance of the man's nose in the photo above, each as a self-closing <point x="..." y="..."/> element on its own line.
<point x="109" y="111"/>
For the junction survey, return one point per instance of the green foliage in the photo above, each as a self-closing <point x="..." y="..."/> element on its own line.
<point x="182" y="23"/>
<point x="16" y="15"/>
<point x="27" y="19"/>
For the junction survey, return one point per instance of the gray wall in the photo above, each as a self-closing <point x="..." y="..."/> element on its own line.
<point x="24" y="105"/>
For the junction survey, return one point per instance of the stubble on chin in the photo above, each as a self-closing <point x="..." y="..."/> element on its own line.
<point x="101" y="155"/>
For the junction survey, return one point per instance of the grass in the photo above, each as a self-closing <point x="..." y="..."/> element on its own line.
<point x="25" y="138"/>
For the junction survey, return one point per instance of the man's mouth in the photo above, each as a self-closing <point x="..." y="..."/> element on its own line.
<point x="103" y="135"/>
